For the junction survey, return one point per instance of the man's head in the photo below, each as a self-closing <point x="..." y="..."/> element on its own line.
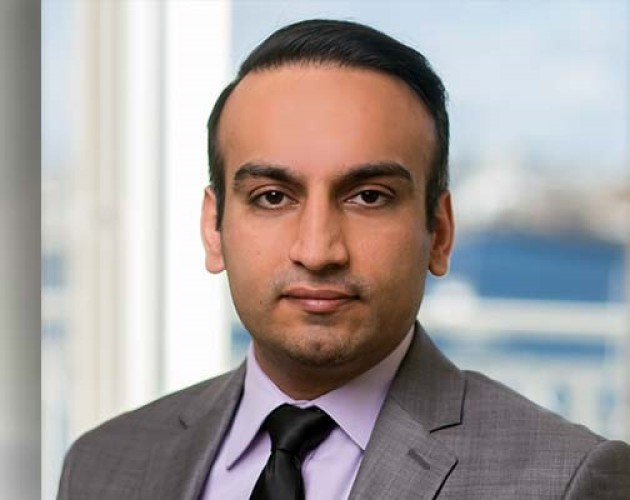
<point x="326" y="228"/>
<point x="350" y="45"/>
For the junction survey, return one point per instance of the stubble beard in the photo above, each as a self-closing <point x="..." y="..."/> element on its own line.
<point x="320" y="348"/>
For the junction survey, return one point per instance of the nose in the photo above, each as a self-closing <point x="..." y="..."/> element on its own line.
<point x="319" y="242"/>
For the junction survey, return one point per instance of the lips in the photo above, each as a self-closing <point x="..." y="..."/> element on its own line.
<point x="318" y="300"/>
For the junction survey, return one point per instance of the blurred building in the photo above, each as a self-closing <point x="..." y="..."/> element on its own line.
<point x="536" y="295"/>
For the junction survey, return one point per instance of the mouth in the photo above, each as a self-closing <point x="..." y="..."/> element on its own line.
<point x="318" y="300"/>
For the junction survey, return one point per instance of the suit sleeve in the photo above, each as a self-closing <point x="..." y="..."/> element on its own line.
<point x="64" y="482"/>
<point x="66" y="491"/>
<point x="603" y="474"/>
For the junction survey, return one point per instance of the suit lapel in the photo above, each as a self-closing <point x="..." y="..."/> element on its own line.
<point x="403" y="459"/>
<point x="178" y="467"/>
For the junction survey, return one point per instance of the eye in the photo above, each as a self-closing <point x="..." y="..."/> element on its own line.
<point x="272" y="199"/>
<point x="371" y="198"/>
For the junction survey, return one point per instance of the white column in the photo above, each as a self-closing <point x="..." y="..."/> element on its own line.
<point x="197" y="57"/>
<point x="93" y="219"/>
<point x="141" y="203"/>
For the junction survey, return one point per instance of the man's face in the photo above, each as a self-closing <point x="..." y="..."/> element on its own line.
<point x="324" y="235"/>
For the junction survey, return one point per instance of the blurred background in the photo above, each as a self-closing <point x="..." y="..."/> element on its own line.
<point x="540" y="111"/>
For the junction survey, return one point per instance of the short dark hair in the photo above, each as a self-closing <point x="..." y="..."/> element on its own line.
<point x="346" y="44"/>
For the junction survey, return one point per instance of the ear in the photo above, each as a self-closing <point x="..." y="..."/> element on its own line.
<point x="442" y="236"/>
<point x="209" y="234"/>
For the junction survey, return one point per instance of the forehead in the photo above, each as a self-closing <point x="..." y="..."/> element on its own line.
<point x="321" y="118"/>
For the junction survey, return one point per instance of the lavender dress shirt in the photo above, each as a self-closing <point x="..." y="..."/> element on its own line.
<point x="329" y="470"/>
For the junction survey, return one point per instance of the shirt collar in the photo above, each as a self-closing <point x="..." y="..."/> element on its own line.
<point x="354" y="406"/>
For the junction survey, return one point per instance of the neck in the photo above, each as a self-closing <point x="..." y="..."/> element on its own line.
<point x="305" y="382"/>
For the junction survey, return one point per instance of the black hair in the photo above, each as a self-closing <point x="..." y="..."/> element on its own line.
<point x="345" y="44"/>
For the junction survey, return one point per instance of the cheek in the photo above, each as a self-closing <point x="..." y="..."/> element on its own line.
<point x="395" y="248"/>
<point x="395" y="262"/>
<point x="252" y="257"/>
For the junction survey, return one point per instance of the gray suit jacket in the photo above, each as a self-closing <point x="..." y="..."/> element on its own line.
<point x="442" y="433"/>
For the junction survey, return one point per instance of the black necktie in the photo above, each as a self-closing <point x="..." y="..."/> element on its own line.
<point x="294" y="432"/>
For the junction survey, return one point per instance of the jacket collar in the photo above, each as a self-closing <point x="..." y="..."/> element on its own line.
<point x="404" y="459"/>
<point x="428" y="386"/>
<point x="178" y="466"/>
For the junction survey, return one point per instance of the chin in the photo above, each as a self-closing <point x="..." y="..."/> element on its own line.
<point x="315" y="350"/>
<point x="319" y="341"/>
<point x="316" y="358"/>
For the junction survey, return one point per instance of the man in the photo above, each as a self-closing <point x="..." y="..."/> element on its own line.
<point x="328" y="205"/>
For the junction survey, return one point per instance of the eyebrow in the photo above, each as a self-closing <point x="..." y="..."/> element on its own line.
<point x="380" y="169"/>
<point x="256" y="170"/>
<point x="354" y="175"/>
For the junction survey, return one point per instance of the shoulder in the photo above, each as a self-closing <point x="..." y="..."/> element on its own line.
<point x="155" y="420"/>
<point x="521" y="446"/>
<point x="113" y="456"/>
<point x="490" y="406"/>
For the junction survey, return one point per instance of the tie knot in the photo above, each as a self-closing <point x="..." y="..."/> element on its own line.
<point x="297" y="431"/>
